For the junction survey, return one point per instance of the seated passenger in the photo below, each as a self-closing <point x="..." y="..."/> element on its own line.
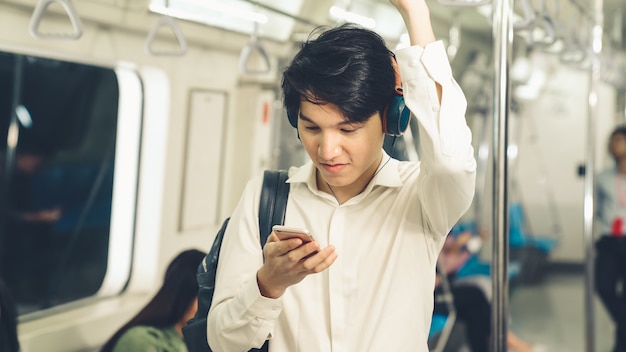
<point x="158" y="326"/>
<point x="472" y="298"/>
<point x="457" y="251"/>
<point x="8" y="321"/>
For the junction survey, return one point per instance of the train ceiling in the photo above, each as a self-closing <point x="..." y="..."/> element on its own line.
<point x="228" y="24"/>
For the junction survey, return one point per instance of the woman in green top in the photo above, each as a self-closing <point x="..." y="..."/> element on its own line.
<point x="158" y="326"/>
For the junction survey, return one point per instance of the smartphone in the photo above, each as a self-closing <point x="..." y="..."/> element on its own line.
<point x="285" y="232"/>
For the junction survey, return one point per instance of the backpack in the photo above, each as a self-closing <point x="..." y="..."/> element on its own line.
<point x="272" y="207"/>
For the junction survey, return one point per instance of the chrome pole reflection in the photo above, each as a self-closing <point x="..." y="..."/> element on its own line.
<point x="503" y="42"/>
<point x="589" y="182"/>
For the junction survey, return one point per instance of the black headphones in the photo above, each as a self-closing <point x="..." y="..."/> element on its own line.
<point x="396" y="116"/>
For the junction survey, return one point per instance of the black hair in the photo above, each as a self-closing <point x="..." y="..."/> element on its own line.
<point x="8" y="321"/>
<point x="347" y="66"/>
<point x="621" y="129"/>
<point x="171" y="302"/>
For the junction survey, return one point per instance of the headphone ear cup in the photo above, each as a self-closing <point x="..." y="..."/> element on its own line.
<point x="293" y="118"/>
<point x="397" y="116"/>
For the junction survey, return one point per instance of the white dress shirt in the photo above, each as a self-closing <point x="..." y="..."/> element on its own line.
<point x="378" y="295"/>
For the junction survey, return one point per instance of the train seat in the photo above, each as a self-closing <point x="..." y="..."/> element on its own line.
<point x="531" y="251"/>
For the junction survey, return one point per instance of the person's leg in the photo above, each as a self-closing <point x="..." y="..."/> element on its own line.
<point x="620" y="311"/>
<point x="472" y="307"/>
<point x="607" y="275"/>
<point x="607" y="268"/>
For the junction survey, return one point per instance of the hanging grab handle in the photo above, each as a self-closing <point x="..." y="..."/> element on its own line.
<point x="528" y="16"/>
<point x="464" y="3"/>
<point x="573" y="53"/>
<point x="254" y="44"/>
<point x="166" y="21"/>
<point x="39" y="13"/>
<point x="548" y="36"/>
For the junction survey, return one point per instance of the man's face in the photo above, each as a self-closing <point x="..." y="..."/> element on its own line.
<point x="346" y="154"/>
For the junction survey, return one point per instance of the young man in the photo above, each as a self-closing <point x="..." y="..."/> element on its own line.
<point x="610" y="265"/>
<point x="366" y="282"/>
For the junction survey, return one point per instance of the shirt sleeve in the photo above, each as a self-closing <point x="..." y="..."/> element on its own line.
<point x="447" y="165"/>
<point x="240" y="318"/>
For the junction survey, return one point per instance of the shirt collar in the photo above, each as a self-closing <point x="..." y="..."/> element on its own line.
<point x="387" y="175"/>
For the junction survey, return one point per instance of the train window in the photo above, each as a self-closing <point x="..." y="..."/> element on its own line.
<point x="59" y="177"/>
<point x="235" y="15"/>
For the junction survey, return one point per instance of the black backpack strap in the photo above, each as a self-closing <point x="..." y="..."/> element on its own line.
<point x="273" y="202"/>
<point x="272" y="207"/>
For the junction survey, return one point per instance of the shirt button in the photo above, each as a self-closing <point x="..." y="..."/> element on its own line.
<point x="276" y="308"/>
<point x="414" y="62"/>
<point x="436" y="108"/>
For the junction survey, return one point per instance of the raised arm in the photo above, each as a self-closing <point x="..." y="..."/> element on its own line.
<point x="448" y="167"/>
<point x="416" y="16"/>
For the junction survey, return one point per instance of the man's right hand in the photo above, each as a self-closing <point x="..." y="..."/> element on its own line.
<point x="289" y="262"/>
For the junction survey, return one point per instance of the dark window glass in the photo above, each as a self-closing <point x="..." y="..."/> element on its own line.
<point x="57" y="140"/>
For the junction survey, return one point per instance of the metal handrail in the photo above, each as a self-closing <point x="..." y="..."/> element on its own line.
<point x="548" y="27"/>
<point x="166" y="21"/>
<point x="40" y="11"/>
<point x="502" y="45"/>
<point x="254" y="44"/>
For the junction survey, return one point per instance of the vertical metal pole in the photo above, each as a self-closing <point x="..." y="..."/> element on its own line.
<point x="503" y="42"/>
<point x="589" y="182"/>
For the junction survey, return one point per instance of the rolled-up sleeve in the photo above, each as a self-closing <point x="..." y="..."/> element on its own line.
<point x="448" y="166"/>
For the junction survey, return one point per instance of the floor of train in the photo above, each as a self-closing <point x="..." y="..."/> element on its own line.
<point x="552" y="314"/>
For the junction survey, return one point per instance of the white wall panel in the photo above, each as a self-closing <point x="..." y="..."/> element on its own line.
<point x="201" y="186"/>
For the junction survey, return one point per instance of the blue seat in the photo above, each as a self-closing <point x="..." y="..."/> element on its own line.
<point x="437" y="324"/>
<point x="474" y="266"/>
<point x="519" y="238"/>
